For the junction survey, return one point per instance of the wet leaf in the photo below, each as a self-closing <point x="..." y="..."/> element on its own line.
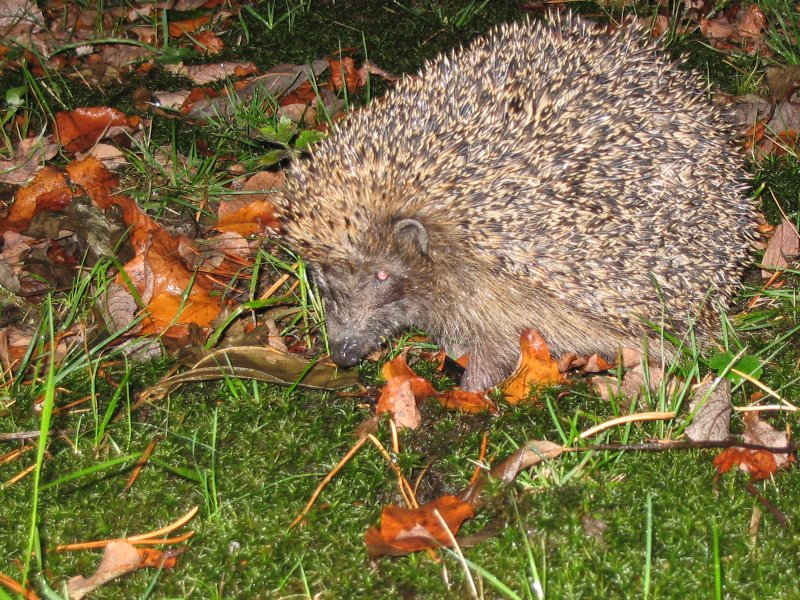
<point x="761" y="464"/>
<point x="80" y="129"/>
<point x="398" y="399"/>
<point x="467" y="402"/>
<point x="760" y="432"/>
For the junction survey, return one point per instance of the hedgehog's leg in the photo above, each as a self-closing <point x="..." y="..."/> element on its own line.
<point x="487" y="368"/>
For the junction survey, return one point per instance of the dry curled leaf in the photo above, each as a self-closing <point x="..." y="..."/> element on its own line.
<point x="119" y="558"/>
<point x="761" y="464"/>
<point x="760" y="432"/>
<point x="783" y="246"/>
<point x="712" y="419"/>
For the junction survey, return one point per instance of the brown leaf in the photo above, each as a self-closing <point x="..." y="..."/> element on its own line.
<point x="782" y="80"/>
<point x="760" y="432"/>
<point x="406" y="530"/>
<point x="80" y="129"/>
<point x="759" y="463"/>
<point x="344" y="72"/>
<point x="257" y="218"/>
<point x="119" y="558"/>
<point x="529" y="454"/>
<point x="397" y="398"/>
<point x="467" y="402"/>
<point x="596" y="364"/>
<point x="536" y="367"/>
<point x="47" y="190"/>
<point x="631" y="387"/>
<point x="207" y="42"/>
<point x="712" y="419"/>
<point x="178" y="28"/>
<point x="397" y="367"/>
<point x="782" y="246"/>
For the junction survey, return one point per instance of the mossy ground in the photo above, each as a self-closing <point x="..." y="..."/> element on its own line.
<point x="250" y="455"/>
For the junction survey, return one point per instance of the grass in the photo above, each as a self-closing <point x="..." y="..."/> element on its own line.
<point x="594" y="524"/>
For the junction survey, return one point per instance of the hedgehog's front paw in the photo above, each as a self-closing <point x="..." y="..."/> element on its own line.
<point x="483" y="374"/>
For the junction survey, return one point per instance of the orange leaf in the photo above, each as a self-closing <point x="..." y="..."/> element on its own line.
<point x="178" y="28"/>
<point x="252" y="219"/>
<point x="80" y="129"/>
<point x="47" y="189"/>
<point x="344" y="71"/>
<point x="468" y="402"/>
<point x="406" y="530"/>
<point x="397" y="398"/>
<point x="397" y="367"/>
<point x="759" y="463"/>
<point x="536" y="367"/>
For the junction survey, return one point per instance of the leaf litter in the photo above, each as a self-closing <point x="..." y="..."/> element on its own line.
<point x="171" y="286"/>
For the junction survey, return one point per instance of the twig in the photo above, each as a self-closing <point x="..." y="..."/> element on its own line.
<point x="31" y="435"/>
<point x="327" y="479"/>
<point x="779" y="516"/>
<point x="647" y="416"/>
<point x="143" y="539"/>
<point x="405" y="487"/>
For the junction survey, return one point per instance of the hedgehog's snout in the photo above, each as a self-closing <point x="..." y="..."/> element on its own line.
<point x="346" y="352"/>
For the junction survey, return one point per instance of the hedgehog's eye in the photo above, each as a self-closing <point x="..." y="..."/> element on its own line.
<point x="381" y="275"/>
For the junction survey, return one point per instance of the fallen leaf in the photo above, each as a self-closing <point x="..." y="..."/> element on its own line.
<point x="631" y="387"/>
<point x="467" y="402"/>
<point x="80" y="129"/>
<point x="535" y="368"/>
<point x="255" y="218"/>
<point x="402" y="391"/>
<point x="783" y="246"/>
<point x="529" y="454"/>
<point x="760" y="432"/>
<point x="119" y="558"/>
<point x="49" y="188"/>
<point x="712" y="419"/>
<point x="406" y="530"/>
<point x="398" y="399"/>
<point x="260" y="363"/>
<point x="343" y="72"/>
<point x="761" y="464"/>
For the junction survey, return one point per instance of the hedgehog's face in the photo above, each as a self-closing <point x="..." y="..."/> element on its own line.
<point x="363" y="304"/>
<point x="367" y="299"/>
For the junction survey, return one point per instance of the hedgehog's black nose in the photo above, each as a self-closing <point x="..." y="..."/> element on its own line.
<point x="345" y="354"/>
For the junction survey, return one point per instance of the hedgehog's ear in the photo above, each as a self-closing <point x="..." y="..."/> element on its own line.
<point x="413" y="233"/>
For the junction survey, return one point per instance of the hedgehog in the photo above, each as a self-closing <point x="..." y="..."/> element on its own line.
<point x="547" y="176"/>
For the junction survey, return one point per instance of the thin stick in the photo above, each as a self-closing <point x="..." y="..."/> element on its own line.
<point x="327" y="479"/>
<point x="139" y="464"/>
<point x="764" y="388"/>
<point x="19" y="476"/>
<point x="32" y="435"/>
<point x="647" y="416"/>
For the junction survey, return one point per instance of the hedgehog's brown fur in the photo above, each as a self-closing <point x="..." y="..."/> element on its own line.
<point x="546" y="176"/>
